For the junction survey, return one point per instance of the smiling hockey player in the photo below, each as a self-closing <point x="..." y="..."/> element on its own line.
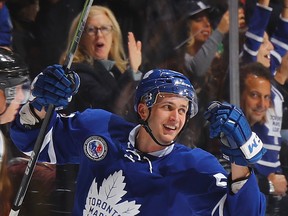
<point x="128" y="169"/>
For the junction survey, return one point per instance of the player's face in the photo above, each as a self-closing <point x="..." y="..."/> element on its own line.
<point x="255" y="99"/>
<point x="11" y="100"/>
<point x="200" y="27"/>
<point x="168" y="116"/>
<point x="98" y="36"/>
<point x="266" y="47"/>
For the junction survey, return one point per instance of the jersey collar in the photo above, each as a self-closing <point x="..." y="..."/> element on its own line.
<point x="159" y="153"/>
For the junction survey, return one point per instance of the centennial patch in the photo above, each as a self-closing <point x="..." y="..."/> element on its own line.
<point x="95" y="148"/>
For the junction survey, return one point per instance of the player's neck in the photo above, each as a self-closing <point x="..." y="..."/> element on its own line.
<point x="144" y="142"/>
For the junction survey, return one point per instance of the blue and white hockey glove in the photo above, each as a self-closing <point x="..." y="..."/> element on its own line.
<point x="54" y="86"/>
<point x="229" y="123"/>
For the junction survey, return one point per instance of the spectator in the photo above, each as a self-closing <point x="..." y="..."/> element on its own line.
<point x="204" y="42"/>
<point x="255" y="91"/>
<point x="106" y="76"/>
<point x="202" y="49"/>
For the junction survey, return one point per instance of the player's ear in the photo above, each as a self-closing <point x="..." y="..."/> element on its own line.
<point x="143" y="111"/>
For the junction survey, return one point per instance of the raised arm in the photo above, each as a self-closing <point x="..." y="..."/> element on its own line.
<point x="257" y="25"/>
<point x="52" y="86"/>
<point x="135" y="54"/>
<point x="284" y="12"/>
<point x="201" y="61"/>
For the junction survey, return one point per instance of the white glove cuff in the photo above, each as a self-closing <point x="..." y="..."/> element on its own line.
<point x="252" y="147"/>
<point x="27" y="117"/>
<point x="236" y="186"/>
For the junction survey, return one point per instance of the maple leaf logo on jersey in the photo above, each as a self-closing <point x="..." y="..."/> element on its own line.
<point x="107" y="201"/>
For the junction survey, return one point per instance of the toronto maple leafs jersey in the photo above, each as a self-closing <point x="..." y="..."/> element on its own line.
<point x="269" y="132"/>
<point x="116" y="179"/>
<point x="257" y="25"/>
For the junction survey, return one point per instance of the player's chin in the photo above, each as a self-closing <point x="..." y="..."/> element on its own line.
<point x="167" y="139"/>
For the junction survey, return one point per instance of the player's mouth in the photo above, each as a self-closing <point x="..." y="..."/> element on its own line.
<point x="170" y="128"/>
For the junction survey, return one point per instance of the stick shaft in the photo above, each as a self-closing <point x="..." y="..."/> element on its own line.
<point x="76" y="39"/>
<point x="38" y="144"/>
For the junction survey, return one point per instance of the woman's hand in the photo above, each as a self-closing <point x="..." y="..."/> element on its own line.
<point x="135" y="55"/>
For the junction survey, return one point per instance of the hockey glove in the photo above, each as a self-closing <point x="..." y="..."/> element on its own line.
<point x="228" y="123"/>
<point x="54" y="86"/>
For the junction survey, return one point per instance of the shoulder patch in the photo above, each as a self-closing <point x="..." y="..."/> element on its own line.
<point x="95" y="148"/>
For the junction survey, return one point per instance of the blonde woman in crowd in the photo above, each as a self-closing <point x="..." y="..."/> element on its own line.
<point x="102" y="65"/>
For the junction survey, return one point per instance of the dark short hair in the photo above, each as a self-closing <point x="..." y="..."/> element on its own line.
<point x="253" y="68"/>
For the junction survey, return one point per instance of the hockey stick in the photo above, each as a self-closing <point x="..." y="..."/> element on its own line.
<point x="38" y="144"/>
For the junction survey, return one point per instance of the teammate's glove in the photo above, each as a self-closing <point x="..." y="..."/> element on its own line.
<point x="228" y="122"/>
<point x="54" y="86"/>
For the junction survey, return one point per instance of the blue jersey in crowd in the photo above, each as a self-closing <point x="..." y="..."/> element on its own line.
<point x="269" y="132"/>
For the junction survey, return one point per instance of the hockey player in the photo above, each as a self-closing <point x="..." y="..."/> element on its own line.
<point x="14" y="91"/>
<point x="14" y="86"/>
<point x="128" y="169"/>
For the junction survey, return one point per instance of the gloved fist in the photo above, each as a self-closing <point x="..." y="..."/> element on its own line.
<point x="228" y="123"/>
<point x="54" y="86"/>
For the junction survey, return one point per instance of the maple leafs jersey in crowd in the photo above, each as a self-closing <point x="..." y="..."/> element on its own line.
<point x="269" y="132"/>
<point x="116" y="179"/>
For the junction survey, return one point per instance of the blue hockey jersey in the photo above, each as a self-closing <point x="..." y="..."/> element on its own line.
<point x="116" y="179"/>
